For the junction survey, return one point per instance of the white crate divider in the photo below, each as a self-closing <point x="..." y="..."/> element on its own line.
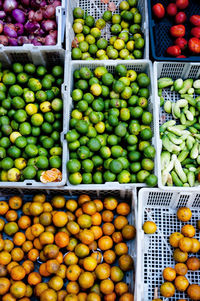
<point x="96" y="8"/>
<point x="154" y="251"/>
<point x="173" y="70"/>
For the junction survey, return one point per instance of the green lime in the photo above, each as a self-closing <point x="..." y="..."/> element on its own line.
<point x="147" y="118"/>
<point x="109" y="176"/>
<point x="17" y="67"/>
<point x="29" y="96"/>
<point x="135" y="28"/>
<point x="31" y="140"/>
<point x="76" y="54"/>
<point x="137" y="18"/>
<point x="31" y="150"/>
<point x="57" y="71"/>
<point x="47" y="128"/>
<point x="18" y="102"/>
<point x="75" y="178"/>
<point x="9" y="78"/>
<point x="41" y="95"/>
<point x="124" y="5"/>
<point x="5" y="142"/>
<point x="151" y="180"/>
<point x="116" y="29"/>
<point x="42" y="162"/>
<point x="94" y="144"/>
<point x="30" y="68"/>
<point x="83" y="140"/>
<point x="116" y="166"/>
<point x="25" y="129"/>
<point x="107" y="15"/>
<point x="35" y="85"/>
<point x="37" y="119"/>
<point x="100" y="23"/>
<point x="102" y="43"/>
<point x="135" y="167"/>
<point x="144" y="92"/>
<point x="7" y="163"/>
<point x="120" y="130"/>
<point x="48" y="142"/>
<point x="142" y="102"/>
<point x="32" y="161"/>
<point x="146" y="134"/>
<point x="126" y="94"/>
<point x="83" y="152"/>
<point x="147" y="164"/>
<point x="84" y="46"/>
<point x="134" y="129"/>
<point x="6" y="129"/>
<point x="116" y="19"/>
<point x="97" y="160"/>
<point x="88" y="97"/>
<point x="14" y="152"/>
<point x="55" y="162"/>
<point x="42" y="151"/>
<point x="105" y="152"/>
<point x="97" y="177"/>
<point x="128" y="16"/>
<point x="93" y="49"/>
<point x="29" y="172"/>
<point x="142" y="175"/>
<point x="92" y="133"/>
<point x="22" y="78"/>
<point x="73" y="165"/>
<point x="143" y="80"/>
<point x="15" y="90"/>
<point x="2" y="95"/>
<point x="82" y="126"/>
<point x="41" y="70"/>
<point x="56" y="151"/>
<point x="137" y="54"/>
<point x="2" y="152"/>
<point x="132" y="139"/>
<point x="112" y="140"/>
<point x="149" y="152"/>
<point x="35" y="131"/>
<point x="6" y="103"/>
<point x="87" y="165"/>
<point x="116" y="151"/>
<point x="87" y="178"/>
<point x="134" y="156"/>
<point x="124" y="177"/>
<point x="20" y="115"/>
<point x="78" y="13"/>
<point x="21" y="142"/>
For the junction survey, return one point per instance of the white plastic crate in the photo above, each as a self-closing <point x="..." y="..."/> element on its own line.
<point x="41" y="60"/>
<point x="174" y="71"/>
<point x="96" y="9"/>
<point x="122" y="195"/>
<point x="155" y="252"/>
<point x="27" y="52"/>
<point x="138" y="66"/>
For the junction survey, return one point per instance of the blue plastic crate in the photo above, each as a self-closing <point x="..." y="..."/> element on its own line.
<point x="159" y="31"/>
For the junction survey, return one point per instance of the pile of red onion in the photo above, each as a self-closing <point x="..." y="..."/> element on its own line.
<point x="28" y="22"/>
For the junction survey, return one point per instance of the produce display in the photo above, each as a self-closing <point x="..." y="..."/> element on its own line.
<point x="63" y="249"/>
<point x="180" y="156"/>
<point x="185" y="254"/>
<point x="181" y="20"/>
<point x="125" y="39"/>
<point x="28" y="22"/>
<point x="30" y="123"/>
<point x="110" y="135"/>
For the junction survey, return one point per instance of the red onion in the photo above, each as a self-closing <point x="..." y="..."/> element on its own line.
<point x="40" y="32"/>
<point x="1" y="28"/>
<point x="18" y="15"/>
<point x="2" y="14"/>
<point x="19" y="28"/>
<point x="56" y="3"/>
<point x="31" y="37"/>
<point x="31" y="14"/>
<point x="12" y="42"/>
<point x="36" y="42"/>
<point x="48" y="25"/>
<point x="49" y="12"/>
<point x="9" y="5"/>
<point x="32" y="26"/>
<point x="3" y="40"/>
<point x="9" y="31"/>
<point x="1" y="3"/>
<point x="25" y="2"/>
<point x="53" y="33"/>
<point x="23" y="40"/>
<point x="38" y="16"/>
<point x="49" y="40"/>
<point x="37" y="4"/>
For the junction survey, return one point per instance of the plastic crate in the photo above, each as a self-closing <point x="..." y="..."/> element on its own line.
<point x="127" y="196"/>
<point x="25" y="53"/>
<point x="160" y="38"/>
<point x="155" y="251"/>
<point x="40" y="60"/>
<point x="96" y="8"/>
<point x="138" y="66"/>
<point x="174" y="70"/>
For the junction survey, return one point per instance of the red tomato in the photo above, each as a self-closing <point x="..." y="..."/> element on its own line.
<point x="194" y="45"/>
<point x="177" y="31"/>
<point x="182" y="4"/>
<point x="173" y="50"/>
<point x="180" y="18"/>
<point x="196" y="32"/>
<point x="172" y="9"/>
<point x="195" y="20"/>
<point x="181" y="56"/>
<point x="181" y="42"/>
<point x="158" y="10"/>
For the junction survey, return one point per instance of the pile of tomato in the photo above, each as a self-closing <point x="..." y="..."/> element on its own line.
<point x="65" y="249"/>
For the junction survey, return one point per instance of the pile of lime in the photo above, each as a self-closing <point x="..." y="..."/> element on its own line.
<point x="126" y="40"/>
<point x="30" y="121"/>
<point x="110" y="135"/>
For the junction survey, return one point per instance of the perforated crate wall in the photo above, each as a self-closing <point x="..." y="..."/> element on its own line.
<point x="156" y="253"/>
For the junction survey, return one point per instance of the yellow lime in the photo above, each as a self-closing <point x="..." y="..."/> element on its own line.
<point x="100" y="127"/>
<point x="4" y="176"/>
<point x="130" y="45"/>
<point x="119" y="44"/>
<point x="45" y="106"/>
<point x="100" y="52"/>
<point x="13" y="175"/>
<point x="31" y="109"/>
<point x="96" y="89"/>
<point x="20" y="163"/>
<point x="80" y="37"/>
<point x="14" y="136"/>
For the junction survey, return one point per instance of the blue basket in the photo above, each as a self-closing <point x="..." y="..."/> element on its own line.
<point x="159" y="31"/>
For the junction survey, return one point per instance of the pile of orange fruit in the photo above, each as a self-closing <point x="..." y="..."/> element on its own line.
<point x="65" y="249"/>
<point x="184" y="243"/>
